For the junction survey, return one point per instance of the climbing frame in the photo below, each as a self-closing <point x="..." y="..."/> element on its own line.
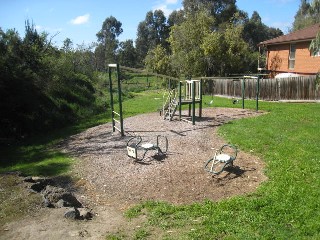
<point x="117" y="124"/>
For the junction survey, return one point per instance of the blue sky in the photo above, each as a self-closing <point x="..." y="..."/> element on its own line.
<point x="80" y="20"/>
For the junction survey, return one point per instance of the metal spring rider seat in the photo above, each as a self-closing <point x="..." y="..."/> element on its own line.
<point x="134" y="144"/>
<point x="222" y="158"/>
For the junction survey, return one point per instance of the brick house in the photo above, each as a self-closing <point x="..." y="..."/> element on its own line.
<point x="290" y="53"/>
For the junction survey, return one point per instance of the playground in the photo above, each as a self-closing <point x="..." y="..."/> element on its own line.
<point x="111" y="177"/>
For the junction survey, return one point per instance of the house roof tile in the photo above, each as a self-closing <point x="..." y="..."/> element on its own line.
<point x="306" y="34"/>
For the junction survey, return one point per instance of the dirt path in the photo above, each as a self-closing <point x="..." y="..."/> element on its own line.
<point x="112" y="182"/>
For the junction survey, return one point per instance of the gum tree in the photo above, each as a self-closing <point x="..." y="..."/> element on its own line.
<point x="107" y="38"/>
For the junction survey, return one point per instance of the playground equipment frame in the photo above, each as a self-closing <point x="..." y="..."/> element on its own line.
<point x="134" y="144"/>
<point x="193" y="95"/>
<point x="113" y="113"/>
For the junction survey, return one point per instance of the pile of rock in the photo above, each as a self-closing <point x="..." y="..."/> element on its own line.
<point x="58" y="197"/>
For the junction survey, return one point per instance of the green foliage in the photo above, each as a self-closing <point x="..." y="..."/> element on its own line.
<point x="185" y="40"/>
<point x="151" y="32"/>
<point x="255" y="31"/>
<point x="41" y="87"/>
<point x="158" y="61"/>
<point x="221" y="10"/>
<point x="127" y="54"/>
<point x="307" y="14"/>
<point x="176" y="18"/>
<point x="199" y="51"/>
<point x="236" y="49"/>
<point x="107" y="38"/>
<point x="315" y="45"/>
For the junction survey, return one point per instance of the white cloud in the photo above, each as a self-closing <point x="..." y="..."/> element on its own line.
<point x="164" y="6"/>
<point x="38" y="27"/>
<point x="171" y="1"/>
<point x="80" y="19"/>
<point x="49" y="30"/>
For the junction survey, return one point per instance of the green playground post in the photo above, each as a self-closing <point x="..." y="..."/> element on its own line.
<point x="121" y="130"/>
<point x="180" y="99"/>
<point x="200" y="102"/>
<point x="243" y="91"/>
<point x="193" y="89"/>
<point x="120" y="101"/>
<point x="111" y="100"/>
<point x="257" y="93"/>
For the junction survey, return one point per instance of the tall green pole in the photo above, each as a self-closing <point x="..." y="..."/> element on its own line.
<point x="193" y="89"/>
<point x="120" y="101"/>
<point x="243" y="91"/>
<point x="200" y="103"/>
<point x="111" y="99"/>
<point x="180" y="99"/>
<point x="257" y="93"/>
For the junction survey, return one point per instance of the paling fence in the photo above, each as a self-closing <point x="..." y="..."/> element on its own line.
<point x="293" y="88"/>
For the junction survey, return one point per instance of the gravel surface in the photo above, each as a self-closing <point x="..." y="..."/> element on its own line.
<point x="111" y="177"/>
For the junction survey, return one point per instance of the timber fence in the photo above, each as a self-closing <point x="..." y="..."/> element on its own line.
<point x="293" y="88"/>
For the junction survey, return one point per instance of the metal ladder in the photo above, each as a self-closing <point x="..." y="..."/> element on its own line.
<point x="170" y="105"/>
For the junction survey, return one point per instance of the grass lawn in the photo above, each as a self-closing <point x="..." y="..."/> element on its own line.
<point x="287" y="206"/>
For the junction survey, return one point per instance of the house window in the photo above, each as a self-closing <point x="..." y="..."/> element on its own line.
<point x="292" y="56"/>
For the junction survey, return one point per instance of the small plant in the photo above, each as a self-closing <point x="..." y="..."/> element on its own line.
<point x="141" y="234"/>
<point x="315" y="45"/>
<point x="116" y="236"/>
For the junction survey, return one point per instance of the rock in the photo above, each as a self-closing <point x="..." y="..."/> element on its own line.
<point x="29" y="179"/>
<point x="37" y="187"/>
<point x="85" y="214"/>
<point x="84" y="233"/>
<point x="47" y="203"/>
<point x="55" y="194"/>
<point x="72" y="213"/>
<point x="61" y="203"/>
<point x="40" y="183"/>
